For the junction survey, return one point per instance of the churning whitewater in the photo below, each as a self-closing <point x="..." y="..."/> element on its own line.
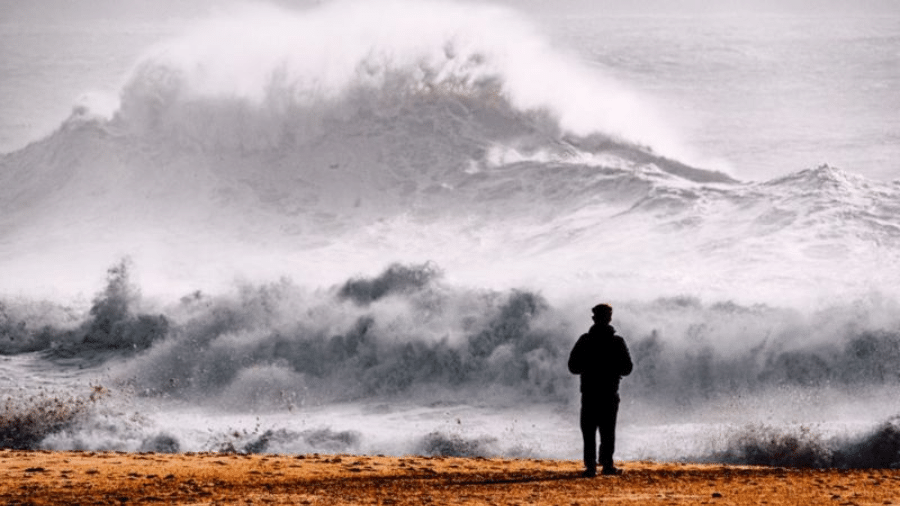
<point x="380" y="228"/>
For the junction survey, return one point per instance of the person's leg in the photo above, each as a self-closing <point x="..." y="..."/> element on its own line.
<point x="607" y="422"/>
<point x="589" y="434"/>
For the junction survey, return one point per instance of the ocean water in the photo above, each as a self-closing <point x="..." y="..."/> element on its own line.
<point x="762" y="95"/>
<point x="379" y="227"/>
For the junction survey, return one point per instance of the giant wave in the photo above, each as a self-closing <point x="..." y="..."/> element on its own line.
<point x="335" y="138"/>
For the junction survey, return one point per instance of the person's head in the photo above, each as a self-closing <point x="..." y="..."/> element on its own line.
<point x="602" y="313"/>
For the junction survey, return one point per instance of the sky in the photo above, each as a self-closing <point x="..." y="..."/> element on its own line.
<point x="153" y="10"/>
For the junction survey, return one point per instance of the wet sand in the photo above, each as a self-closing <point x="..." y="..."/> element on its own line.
<point x="83" y="478"/>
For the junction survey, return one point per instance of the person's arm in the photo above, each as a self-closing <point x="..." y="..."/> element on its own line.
<point x="576" y="357"/>
<point x="625" y="360"/>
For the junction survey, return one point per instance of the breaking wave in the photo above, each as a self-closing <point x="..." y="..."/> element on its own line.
<point x="314" y="440"/>
<point x="438" y="444"/>
<point x="335" y="141"/>
<point x="471" y="70"/>
<point x="804" y="447"/>
<point x="407" y="331"/>
<point x="27" y="418"/>
<point x="111" y="327"/>
<point x="406" y="334"/>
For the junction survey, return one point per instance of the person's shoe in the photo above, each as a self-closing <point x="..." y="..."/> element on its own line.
<point x="589" y="473"/>
<point x="611" y="471"/>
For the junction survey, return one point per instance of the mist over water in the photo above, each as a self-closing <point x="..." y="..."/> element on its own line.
<point x="336" y="238"/>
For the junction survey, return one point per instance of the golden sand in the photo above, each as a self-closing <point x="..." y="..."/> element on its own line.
<point x="61" y="478"/>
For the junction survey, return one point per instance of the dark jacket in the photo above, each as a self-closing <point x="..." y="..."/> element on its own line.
<point x="601" y="358"/>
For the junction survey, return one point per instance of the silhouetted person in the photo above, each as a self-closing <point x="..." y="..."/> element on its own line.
<point x="601" y="358"/>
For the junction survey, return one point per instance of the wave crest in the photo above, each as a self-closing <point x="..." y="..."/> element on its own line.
<point x="407" y="332"/>
<point x="224" y="85"/>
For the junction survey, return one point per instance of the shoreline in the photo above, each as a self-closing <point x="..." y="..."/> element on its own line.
<point x="93" y="478"/>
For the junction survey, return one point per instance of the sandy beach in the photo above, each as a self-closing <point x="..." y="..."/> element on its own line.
<point x="83" y="478"/>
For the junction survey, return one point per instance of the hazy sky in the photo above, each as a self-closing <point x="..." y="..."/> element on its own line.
<point x="62" y="10"/>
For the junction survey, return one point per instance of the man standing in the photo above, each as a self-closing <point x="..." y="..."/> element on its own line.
<point x="601" y="358"/>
